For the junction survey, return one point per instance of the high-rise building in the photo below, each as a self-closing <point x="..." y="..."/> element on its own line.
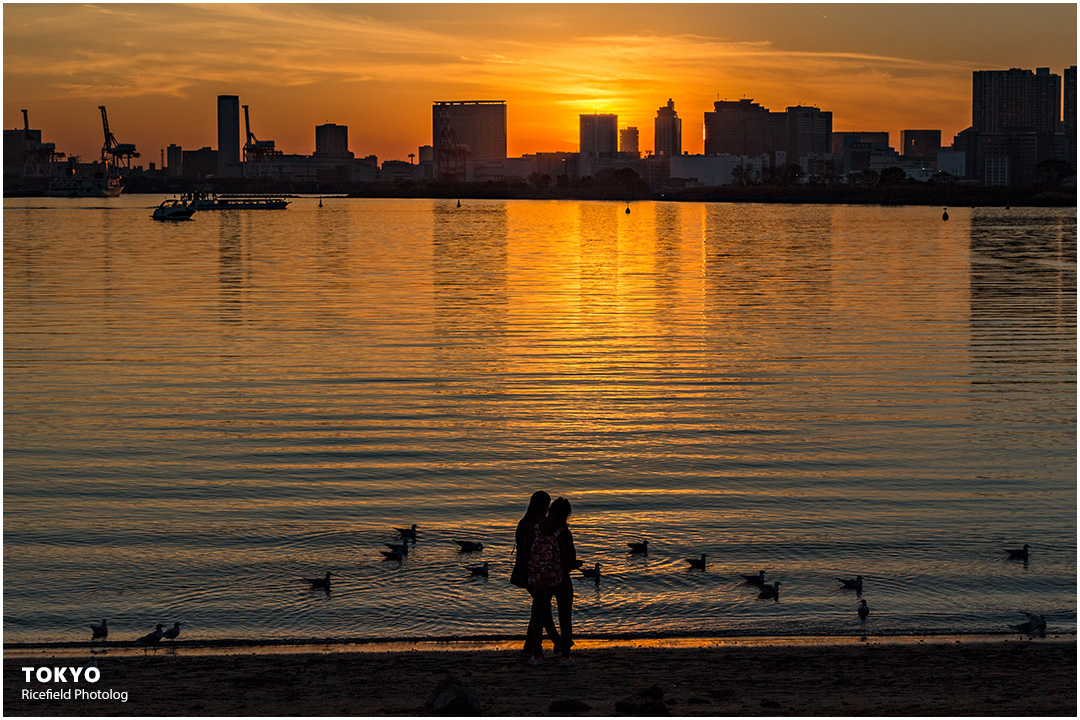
<point x="1069" y="107"/>
<point x="228" y="152"/>
<point x="628" y="141"/>
<point x="1003" y="100"/>
<point x="920" y="144"/>
<point x="742" y="127"/>
<point x="174" y="158"/>
<point x="479" y="127"/>
<point x="668" y="131"/>
<point x="332" y="141"/>
<point x="599" y="135"/>
<point x="809" y="132"/>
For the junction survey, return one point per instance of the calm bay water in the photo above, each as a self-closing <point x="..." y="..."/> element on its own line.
<point x="198" y="414"/>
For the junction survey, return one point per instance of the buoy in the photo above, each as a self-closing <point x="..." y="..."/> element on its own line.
<point x="459" y="203"/>
<point x="1006" y="207"/>
<point x="627" y="208"/>
<point x="945" y="214"/>
<point x="320" y="202"/>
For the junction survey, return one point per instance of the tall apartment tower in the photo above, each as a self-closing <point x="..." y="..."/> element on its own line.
<point x="1003" y="100"/>
<point x="332" y="140"/>
<point x="628" y="141"/>
<point x="1069" y="106"/>
<point x="228" y="133"/>
<point x="599" y="135"/>
<point x="174" y="158"/>
<point x="479" y="127"/>
<point x="668" y="131"/>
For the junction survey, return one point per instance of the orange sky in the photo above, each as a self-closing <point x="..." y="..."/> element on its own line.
<point x="377" y="68"/>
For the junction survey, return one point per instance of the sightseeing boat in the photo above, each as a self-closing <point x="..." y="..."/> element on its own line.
<point x="213" y="201"/>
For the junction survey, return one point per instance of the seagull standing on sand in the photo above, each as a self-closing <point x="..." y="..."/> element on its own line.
<point x="481" y="570"/>
<point x="153" y="638"/>
<point x="697" y="563"/>
<point x="593" y="572"/>
<point x="639" y="548"/>
<point x="469" y="545"/>
<point x="1019" y="554"/>
<point x="770" y="591"/>
<point x="173" y="632"/>
<point x="758" y="579"/>
<point x="864" y="611"/>
<point x="322" y="583"/>
<point x="407" y="533"/>
<point x="100" y="632"/>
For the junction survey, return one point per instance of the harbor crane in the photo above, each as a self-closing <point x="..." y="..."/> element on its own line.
<point x="120" y="153"/>
<point x="255" y="149"/>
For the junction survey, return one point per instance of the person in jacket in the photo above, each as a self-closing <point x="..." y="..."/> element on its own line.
<point x="523" y="537"/>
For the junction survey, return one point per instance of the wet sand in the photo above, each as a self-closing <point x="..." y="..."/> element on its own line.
<point x="934" y="678"/>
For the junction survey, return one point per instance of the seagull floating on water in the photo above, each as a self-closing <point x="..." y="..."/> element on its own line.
<point x="639" y="548"/>
<point x="469" y="545"/>
<point x="152" y="638"/>
<point x="100" y="632"/>
<point x="173" y="632"/>
<point x="770" y="591"/>
<point x="403" y="548"/>
<point x="758" y="579"/>
<point x="852" y="584"/>
<point x="481" y="570"/>
<point x="322" y="583"/>
<point x="593" y="572"/>
<point x="394" y="555"/>
<point x="698" y="563"/>
<point x="864" y="611"/>
<point x="1019" y="554"/>
<point x="407" y="533"/>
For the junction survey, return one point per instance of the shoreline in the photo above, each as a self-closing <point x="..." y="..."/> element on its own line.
<point x="926" y="677"/>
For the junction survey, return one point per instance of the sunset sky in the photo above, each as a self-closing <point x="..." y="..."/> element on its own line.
<point x="377" y="68"/>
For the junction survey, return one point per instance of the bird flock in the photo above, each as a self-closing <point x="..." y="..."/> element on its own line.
<point x="1034" y="626"/>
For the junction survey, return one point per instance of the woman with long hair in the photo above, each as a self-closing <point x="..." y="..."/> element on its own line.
<point x="524" y="537"/>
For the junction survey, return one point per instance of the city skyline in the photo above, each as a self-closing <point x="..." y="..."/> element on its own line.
<point x="379" y="68"/>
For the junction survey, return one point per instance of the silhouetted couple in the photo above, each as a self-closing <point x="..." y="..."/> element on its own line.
<point x="545" y="557"/>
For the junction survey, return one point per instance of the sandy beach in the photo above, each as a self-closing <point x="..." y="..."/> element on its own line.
<point x="932" y="678"/>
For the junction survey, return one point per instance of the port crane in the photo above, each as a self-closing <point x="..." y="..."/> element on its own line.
<point x="120" y="153"/>
<point x="255" y="149"/>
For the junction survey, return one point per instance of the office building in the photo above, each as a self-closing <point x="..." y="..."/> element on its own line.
<point x="742" y="127"/>
<point x="228" y="152"/>
<point x="809" y="132"/>
<point x="332" y="141"/>
<point x="921" y="145"/>
<point x="668" y="131"/>
<point x="628" y="141"/>
<point x="1069" y="107"/>
<point x="174" y="160"/>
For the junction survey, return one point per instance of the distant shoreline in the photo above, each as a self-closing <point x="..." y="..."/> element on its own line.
<point x="895" y="195"/>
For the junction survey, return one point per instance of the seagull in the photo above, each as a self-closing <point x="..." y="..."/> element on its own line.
<point x="770" y="591"/>
<point x="864" y="611"/>
<point x="758" y="579"/>
<point x="395" y="555"/>
<point x="403" y="548"/>
<point x="481" y="570"/>
<point x="151" y="638"/>
<point x="696" y="563"/>
<point x="593" y="572"/>
<point x="855" y="584"/>
<point x="100" y="632"/>
<point x="639" y="548"/>
<point x="322" y="583"/>
<point x="407" y="533"/>
<point x="1035" y="625"/>
<point x="469" y="545"/>
<point x="173" y="632"/>
<point x="1019" y="554"/>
